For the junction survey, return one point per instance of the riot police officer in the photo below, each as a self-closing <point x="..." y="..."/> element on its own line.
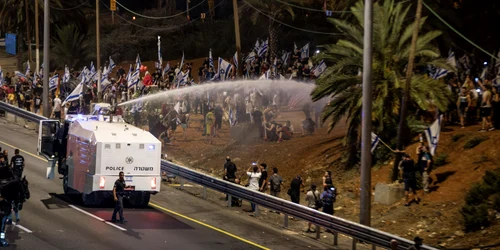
<point x="118" y="193"/>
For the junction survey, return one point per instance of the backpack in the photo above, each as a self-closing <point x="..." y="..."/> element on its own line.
<point x="275" y="183"/>
<point x="329" y="197"/>
<point x="318" y="203"/>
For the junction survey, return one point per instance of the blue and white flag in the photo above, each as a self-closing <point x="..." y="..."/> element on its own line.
<point x="251" y="57"/>
<point x="160" y="58"/>
<point x="182" y="61"/>
<point x="135" y="76"/>
<point x="53" y="82"/>
<point x="166" y="69"/>
<point x="304" y="52"/>
<point x="257" y="46"/>
<point x="232" y="119"/>
<point x="432" y="134"/>
<point x="210" y="60"/>
<point x="75" y="94"/>
<point x="285" y="58"/>
<point x="224" y="69"/>
<point x="91" y="73"/>
<point x="1" y="76"/>
<point x="375" y="141"/>
<point x="235" y="59"/>
<point x="443" y="72"/>
<point x="112" y="64"/>
<point x="320" y="69"/>
<point x="263" y="48"/>
<point x="66" y="74"/>
<point x="40" y="72"/>
<point x="28" y="69"/>
<point x="20" y="75"/>
<point x="266" y="75"/>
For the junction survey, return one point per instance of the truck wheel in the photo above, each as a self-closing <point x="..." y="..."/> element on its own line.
<point x="145" y="201"/>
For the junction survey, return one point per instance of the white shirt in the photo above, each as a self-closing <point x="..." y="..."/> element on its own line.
<point x="253" y="181"/>
<point x="311" y="201"/>
<point x="57" y="104"/>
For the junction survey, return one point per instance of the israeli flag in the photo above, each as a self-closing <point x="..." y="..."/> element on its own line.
<point x="75" y="94"/>
<point x="232" y="120"/>
<point x="112" y="64"/>
<point x="320" y="69"/>
<point x="257" y="46"/>
<point x="285" y="57"/>
<point x="250" y="57"/>
<point x="266" y="75"/>
<point x="375" y="141"/>
<point x="224" y="69"/>
<point x="443" y="72"/>
<point x="66" y="74"/>
<point x="92" y="73"/>
<point x="210" y="60"/>
<point x="53" y="82"/>
<point x="135" y="77"/>
<point x="263" y="48"/>
<point x="1" y="76"/>
<point x="20" y="75"/>
<point x="138" y="63"/>
<point x="166" y="69"/>
<point x="160" y="59"/>
<point x="28" y="69"/>
<point x="304" y="52"/>
<point x="432" y="134"/>
<point x="182" y="61"/>
<point x="40" y="72"/>
<point x="235" y="59"/>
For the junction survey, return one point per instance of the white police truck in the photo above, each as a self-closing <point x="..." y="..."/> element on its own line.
<point x="92" y="150"/>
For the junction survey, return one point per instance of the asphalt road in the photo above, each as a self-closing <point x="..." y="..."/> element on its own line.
<point x="51" y="220"/>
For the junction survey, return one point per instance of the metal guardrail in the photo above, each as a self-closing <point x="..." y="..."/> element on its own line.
<point x="356" y="231"/>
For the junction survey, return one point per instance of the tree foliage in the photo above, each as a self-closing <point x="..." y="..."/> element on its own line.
<point x="70" y="46"/>
<point x="391" y="44"/>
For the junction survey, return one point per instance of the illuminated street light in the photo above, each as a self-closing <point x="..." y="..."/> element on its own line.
<point x="133" y="18"/>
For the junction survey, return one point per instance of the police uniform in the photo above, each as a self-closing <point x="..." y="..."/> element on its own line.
<point x="120" y="191"/>
<point x="17" y="162"/>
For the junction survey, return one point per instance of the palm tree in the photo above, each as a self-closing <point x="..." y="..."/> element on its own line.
<point x="391" y="45"/>
<point x="70" y="46"/>
<point x="274" y="11"/>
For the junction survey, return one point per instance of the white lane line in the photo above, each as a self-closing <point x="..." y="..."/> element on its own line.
<point x="22" y="228"/>
<point x="97" y="218"/>
<point x="116" y="226"/>
<point x="87" y="213"/>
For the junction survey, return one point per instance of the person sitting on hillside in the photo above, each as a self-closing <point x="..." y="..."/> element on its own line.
<point x="283" y="133"/>
<point x="271" y="132"/>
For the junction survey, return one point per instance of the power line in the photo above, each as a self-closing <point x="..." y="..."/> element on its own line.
<point x="160" y="17"/>
<point x="165" y="28"/>
<point x="458" y="33"/>
<point x="290" y="26"/>
<point x="316" y="10"/>
<point x="72" y="8"/>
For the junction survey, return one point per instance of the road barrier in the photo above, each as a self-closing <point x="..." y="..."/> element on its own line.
<point x="357" y="231"/>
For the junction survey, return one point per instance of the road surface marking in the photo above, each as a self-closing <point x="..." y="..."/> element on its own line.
<point x="24" y="151"/>
<point x="22" y="228"/>
<point x="207" y="225"/>
<point x="97" y="217"/>
<point x="87" y="213"/>
<point x="116" y="226"/>
<point x="153" y="205"/>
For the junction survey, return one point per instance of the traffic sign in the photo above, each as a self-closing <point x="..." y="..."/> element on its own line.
<point x="112" y="5"/>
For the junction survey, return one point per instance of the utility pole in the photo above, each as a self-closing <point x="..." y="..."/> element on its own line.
<point x="28" y="33"/>
<point x="238" y="40"/>
<point x="366" y="118"/>
<point x="406" y="93"/>
<point x="98" y="55"/>
<point x="46" y="58"/>
<point x="187" y="9"/>
<point x="37" y="38"/>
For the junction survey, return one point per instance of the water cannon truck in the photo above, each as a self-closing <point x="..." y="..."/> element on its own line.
<point x="91" y="151"/>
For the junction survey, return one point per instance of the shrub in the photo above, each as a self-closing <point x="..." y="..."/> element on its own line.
<point x="457" y="137"/>
<point x="475" y="217"/>
<point x="440" y="160"/>
<point x="478" y="201"/>
<point x="475" y="141"/>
